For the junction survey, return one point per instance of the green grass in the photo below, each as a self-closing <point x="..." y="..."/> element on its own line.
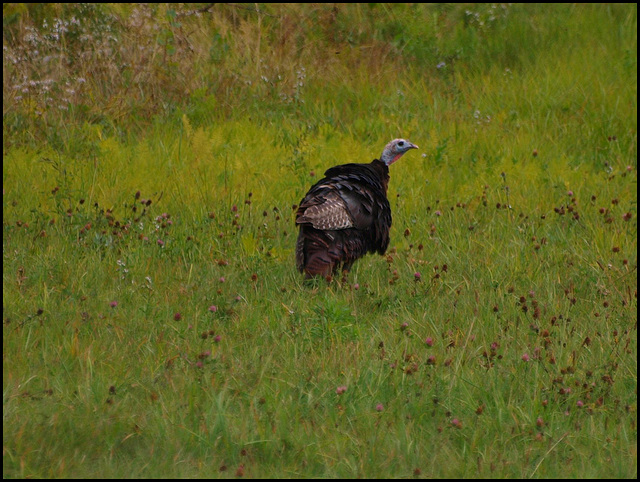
<point x="152" y="176"/>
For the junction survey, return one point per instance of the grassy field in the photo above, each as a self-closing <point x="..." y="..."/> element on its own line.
<point x="154" y="324"/>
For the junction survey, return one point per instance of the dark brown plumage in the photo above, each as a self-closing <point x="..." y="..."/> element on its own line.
<point x="346" y="214"/>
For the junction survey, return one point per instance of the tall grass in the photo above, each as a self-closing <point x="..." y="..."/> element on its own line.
<point x="153" y="321"/>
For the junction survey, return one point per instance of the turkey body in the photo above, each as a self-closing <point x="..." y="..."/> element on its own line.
<point x="344" y="216"/>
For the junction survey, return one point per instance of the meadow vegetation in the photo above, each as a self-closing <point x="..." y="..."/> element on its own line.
<point x="153" y="321"/>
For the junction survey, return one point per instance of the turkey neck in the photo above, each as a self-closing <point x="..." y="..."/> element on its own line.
<point x="382" y="170"/>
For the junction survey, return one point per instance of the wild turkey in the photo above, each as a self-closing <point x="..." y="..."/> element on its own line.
<point x="346" y="214"/>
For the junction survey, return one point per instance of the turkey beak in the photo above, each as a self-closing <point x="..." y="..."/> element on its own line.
<point x="413" y="146"/>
